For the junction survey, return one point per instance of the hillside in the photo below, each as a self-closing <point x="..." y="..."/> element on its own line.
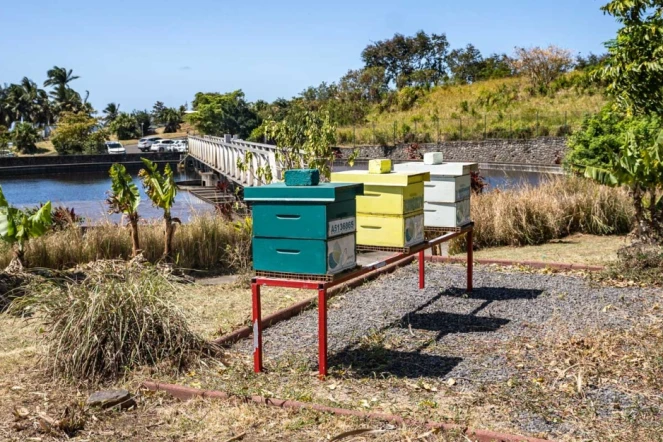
<point x="503" y="108"/>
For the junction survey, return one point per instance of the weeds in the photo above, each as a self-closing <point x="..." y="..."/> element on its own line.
<point x="205" y="243"/>
<point x="637" y="263"/>
<point x="557" y="207"/>
<point x="110" y="323"/>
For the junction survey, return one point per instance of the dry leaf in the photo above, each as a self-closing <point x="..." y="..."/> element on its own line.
<point x="451" y="382"/>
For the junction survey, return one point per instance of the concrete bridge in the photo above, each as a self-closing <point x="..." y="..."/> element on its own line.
<point x="220" y="156"/>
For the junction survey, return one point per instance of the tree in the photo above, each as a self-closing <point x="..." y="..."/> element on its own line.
<point x="465" y="64"/>
<point x="633" y="69"/>
<point x="157" y="111"/>
<point x="172" y="120"/>
<point x="125" y="126"/>
<point x="161" y="189"/>
<point x="4" y="138"/>
<point x="111" y="111"/>
<point x="124" y="199"/>
<point x="25" y="137"/>
<point x="542" y="65"/>
<point x="17" y="227"/>
<point x="144" y="120"/>
<point x="638" y="165"/>
<point x="305" y="139"/>
<point x="59" y="78"/>
<point x="218" y="114"/>
<point x="78" y="133"/>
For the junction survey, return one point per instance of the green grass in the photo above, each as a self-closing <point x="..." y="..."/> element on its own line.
<point x="501" y="108"/>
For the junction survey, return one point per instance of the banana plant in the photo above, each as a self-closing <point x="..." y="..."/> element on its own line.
<point x="639" y="166"/>
<point x="124" y="199"/>
<point x="161" y="189"/>
<point x="17" y="227"/>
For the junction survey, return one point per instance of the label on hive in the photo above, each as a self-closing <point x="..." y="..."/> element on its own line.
<point x="341" y="227"/>
<point x="414" y="230"/>
<point x="413" y="204"/>
<point x="341" y="254"/>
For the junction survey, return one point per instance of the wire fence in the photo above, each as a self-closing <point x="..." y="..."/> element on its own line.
<point x="431" y="129"/>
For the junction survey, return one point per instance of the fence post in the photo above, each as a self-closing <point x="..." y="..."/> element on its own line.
<point x="460" y="121"/>
<point x="485" y="126"/>
<point x="537" y="124"/>
<point x="394" y="133"/>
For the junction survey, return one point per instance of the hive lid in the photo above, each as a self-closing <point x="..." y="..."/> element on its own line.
<point x="385" y="179"/>
<point x="323" y="192"/>
<point x="444" y="169"/>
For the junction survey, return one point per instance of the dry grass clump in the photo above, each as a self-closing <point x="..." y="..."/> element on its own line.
<point x="557" y="207"/>
<point x="206" y="242"/>
<point x="637" y="263"/>
<point x="109" y="323"/>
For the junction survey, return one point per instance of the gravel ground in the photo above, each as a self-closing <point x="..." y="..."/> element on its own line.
<point x="444" y="332"/>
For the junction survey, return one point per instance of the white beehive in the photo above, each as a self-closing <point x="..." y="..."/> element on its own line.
<point x="447" y="194"/>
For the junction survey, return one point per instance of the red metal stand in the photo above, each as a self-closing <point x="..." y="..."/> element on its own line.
<point x="322" y="332"/>
<point x="322" y="288"/>
<point x="422" y="270"/>
<point x="257" y="328"/>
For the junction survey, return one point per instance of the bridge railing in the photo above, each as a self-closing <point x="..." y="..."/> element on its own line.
<point x="222" y="154"/>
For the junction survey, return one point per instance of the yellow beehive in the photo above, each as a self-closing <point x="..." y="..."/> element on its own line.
<point x="390" y="230"/>
<point x="382" y="179"/>
<point x="391" y="200"/>
<point x="379" y="166"/>
<point x="396" y="193"/>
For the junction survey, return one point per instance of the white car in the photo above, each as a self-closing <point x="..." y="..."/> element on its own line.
<point x="115" y="147"/>
<point x="179" y="146"/>
<point x="144" y="144"/>
<point x="162" y="146"/>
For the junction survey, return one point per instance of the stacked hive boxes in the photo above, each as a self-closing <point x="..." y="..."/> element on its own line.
<point x="304" y="228"/>
<point x="447" y="194"/>
<point x="390" y="212"/>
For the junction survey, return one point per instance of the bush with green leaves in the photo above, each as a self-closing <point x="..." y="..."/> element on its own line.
<point x="125" y="126"/>
<point x="17" y="226"/>
<point x="78" y="133"/>
<point x="25" y="138"/>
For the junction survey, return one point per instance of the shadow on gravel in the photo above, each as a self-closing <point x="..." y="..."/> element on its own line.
<point x="447" y="323"/>
<point x="380" y="361"/>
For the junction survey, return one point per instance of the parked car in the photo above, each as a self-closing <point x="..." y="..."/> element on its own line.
<point x="180" y="146"/>
<point x="115" y="147"/>
<point x="144" y="144"/>
<point x="161" y="146"/>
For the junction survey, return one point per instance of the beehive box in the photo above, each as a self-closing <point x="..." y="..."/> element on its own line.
<point x="455" y="214"/>
<point x="447" y="194"/>
<point x="390" y="230"/>
<point x="389" y="193"/>
<point x="304" y="229"/>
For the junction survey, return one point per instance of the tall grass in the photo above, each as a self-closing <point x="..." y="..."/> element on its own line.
<point x="557" y="207"/>
<point x="206" y="242"/>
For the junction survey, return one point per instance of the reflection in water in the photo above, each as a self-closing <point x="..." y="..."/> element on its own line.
<point x="86" y="193"/>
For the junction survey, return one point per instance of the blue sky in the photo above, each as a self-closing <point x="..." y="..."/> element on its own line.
<point x="138" y="52"/>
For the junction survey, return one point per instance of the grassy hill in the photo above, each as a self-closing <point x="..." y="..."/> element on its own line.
<point x="504" y="108"/>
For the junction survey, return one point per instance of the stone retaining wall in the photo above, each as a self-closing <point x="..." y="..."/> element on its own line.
<point x="544" y="150"/>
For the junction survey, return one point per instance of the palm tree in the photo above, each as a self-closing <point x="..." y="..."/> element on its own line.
<point x="59" y="78"/>
<point x="172" y="120"/>
<point x="111" y="112"/>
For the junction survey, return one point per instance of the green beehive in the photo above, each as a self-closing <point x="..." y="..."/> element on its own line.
<point x="304" y="229"/>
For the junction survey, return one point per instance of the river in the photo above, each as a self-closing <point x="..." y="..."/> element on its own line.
<point x="86" y="192"/>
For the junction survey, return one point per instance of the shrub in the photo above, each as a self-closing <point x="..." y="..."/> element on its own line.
<point x="111" y="322"/>
<point x="25" y="137"/>
<point x="557" y="207"/>
<point x="78" y="133"/>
